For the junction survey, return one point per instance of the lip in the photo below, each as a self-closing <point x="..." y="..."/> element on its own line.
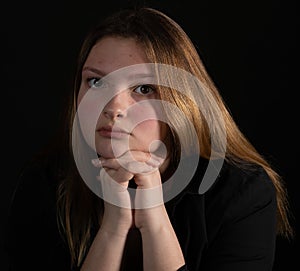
<point x="112" y="132"/>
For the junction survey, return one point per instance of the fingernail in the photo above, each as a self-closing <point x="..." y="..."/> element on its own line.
<point x="102" y="161"/>
<point x="155" y="162"/>
<point x="96" y="162"/>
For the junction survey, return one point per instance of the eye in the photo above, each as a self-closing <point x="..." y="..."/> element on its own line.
<point x="144" y="90"/>
<point x="95" y="82"/>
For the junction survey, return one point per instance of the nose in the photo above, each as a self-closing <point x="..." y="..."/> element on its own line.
<point x="112" y="114"/>
<point x="117" y="107"/>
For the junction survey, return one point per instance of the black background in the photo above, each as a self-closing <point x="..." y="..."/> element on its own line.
<point x="250" y="49"/>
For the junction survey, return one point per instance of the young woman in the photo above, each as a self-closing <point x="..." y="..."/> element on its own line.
<point x="177" y="185"/>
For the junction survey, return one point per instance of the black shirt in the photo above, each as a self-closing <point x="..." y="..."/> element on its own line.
<point x="230" y="227"/>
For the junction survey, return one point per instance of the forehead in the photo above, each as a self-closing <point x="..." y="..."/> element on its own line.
<point x="112" y="53"/>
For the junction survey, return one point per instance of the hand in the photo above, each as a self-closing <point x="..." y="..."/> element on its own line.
<point x="144" y="169"/>
<point x="118" y="216"/>
<point x="150" y="213"/>
<point x="149" y="209"/>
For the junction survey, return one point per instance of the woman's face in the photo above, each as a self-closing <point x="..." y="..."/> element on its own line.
<point x="120" y="126"/>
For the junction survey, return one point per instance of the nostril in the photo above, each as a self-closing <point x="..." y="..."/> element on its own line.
<point x="112" y="114"/>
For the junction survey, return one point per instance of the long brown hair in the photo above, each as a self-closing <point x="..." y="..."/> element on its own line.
<point x="163" y="41"/>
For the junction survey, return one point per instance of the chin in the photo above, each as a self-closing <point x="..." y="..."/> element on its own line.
<point x="109" y="152"/>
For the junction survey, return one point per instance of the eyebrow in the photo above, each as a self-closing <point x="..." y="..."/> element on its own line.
<point x="140" y="76"/>
<point x="87" y="68"/>
<point x="133" y="76"/>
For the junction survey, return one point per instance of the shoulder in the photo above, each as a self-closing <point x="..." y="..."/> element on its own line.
<point x="35" y="188"/>
<point x="32" y="228"/>
<point x="241" y="185"/>
<point x="32" y="206"/>
<point x="231" y="181"/>
<point x="244" y="183"/>
<point x="240" y="191"/>
<point x="234" y="221"/>
<point x="237" y="191"/>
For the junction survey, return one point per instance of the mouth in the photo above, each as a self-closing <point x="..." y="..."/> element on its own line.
<point x="112" y="132"/>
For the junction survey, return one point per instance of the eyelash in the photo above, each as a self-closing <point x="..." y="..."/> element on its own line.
<point x="91" y="85"/>
<point x="90" y="79"/>
<point x="148" y="87"/>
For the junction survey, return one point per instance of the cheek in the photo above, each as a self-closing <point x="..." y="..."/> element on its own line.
<point x="149" y="135"/>
<point x="149" y="129"/>
<point x="146" y="135"/>
<point x="88" y="112"/>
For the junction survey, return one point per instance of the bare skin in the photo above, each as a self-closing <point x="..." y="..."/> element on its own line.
<point x="161" y="248"/>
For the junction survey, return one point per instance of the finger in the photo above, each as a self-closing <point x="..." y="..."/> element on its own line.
<point x="121" y="176"/>
<point x="155" y="161"/>
<point x="111" y="163"/>
<point x="148" y="157"/>
<point x="140" y="168"/>
<point x="138" y="162"/>
<point x="96" y="162"/>
<point x="135" y="155"/>
<point x="131" y="162"/>
<point x="126" y="160"/>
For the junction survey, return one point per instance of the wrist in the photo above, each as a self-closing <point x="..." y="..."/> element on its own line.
<point x="114" y="230"/>
<point x="153" y="219"/>
<point x="116" y="220"/>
